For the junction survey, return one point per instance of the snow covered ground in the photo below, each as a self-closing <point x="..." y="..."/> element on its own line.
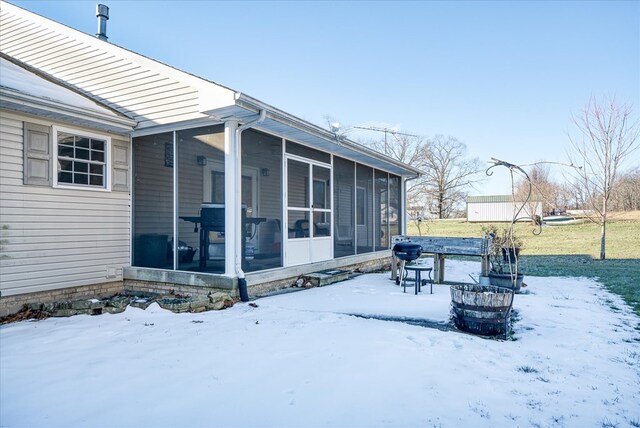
<point x="299" y="360"/>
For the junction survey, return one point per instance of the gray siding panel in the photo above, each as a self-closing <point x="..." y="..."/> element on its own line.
<point x="56" y="238"/>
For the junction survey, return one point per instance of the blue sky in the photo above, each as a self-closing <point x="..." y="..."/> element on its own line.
<point x="503" y="77"/>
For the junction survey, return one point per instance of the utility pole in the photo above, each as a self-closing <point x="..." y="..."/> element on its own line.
<point x="386" y="131"/>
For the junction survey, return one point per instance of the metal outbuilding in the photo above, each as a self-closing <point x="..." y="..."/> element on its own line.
<point x="500" y="208"/>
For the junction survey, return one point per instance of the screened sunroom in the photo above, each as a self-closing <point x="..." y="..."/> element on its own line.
<point x="222" y="200"/>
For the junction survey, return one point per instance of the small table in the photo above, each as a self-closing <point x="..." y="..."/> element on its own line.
<point x="418" y="269"/>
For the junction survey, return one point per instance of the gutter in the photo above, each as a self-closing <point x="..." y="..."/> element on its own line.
<point x="249" y="103"/>
<point x="242" y="281"/>
<point x="9" y="96"/>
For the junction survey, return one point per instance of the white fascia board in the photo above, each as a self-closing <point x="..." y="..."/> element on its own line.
<point x="124" y="124"/>
<point x="176" y="126"/>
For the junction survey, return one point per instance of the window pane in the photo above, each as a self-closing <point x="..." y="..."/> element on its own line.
<point x="96" y="180"/>
<point x="298" y="184"/>
<point x="321" y="187"/>
<point x="97" y="169"/>
<point x="64" y="138"/>
<point x="65" y="151"/>
<point x="65" y="177"/>
<point x="80" y="167"/>
<point x="97" y="156"/>
<point x="65" y="165"/>
<point x="321" y="224"/>
<point x="82" y="142"/>
<point x="80" y="178"/>
<point x="298" y="224"/>
<point x="319" y="194"/>
<point x="82" y="154"/>
<point x="97" y="145"/>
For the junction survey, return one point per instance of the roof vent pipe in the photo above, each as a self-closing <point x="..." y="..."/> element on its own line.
<point x="102" y="13"/>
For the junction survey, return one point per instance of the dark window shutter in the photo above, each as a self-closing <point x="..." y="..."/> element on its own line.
<point x="37" y="154"/>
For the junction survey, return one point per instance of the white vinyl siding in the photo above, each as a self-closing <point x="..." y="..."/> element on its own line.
<point x="146" y="91"/>
<point x="55" y="238"/>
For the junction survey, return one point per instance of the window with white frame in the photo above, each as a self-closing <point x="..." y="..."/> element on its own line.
<point x="82" y="159"/>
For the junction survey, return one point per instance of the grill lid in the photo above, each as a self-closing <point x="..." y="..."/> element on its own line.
<point x="407" y="251"/>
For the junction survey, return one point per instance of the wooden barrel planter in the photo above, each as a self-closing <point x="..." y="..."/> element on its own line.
<point x="481" y="309"/>
<point x="506" y="280"/>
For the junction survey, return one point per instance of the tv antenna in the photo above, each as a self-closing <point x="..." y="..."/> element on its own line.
<point x="386" y="131"/>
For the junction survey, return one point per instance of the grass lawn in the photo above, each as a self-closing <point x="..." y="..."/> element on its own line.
<point x="570" y="250"/>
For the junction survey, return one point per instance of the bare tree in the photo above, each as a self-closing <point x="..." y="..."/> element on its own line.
<point x="449" y="173"/>
<point x="543" y="190"/>
<point x="411" y="150"/>
<point x="607" y="136"/>
<point x="626" y="196"/>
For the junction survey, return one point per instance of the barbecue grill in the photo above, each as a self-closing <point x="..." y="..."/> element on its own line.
<point x="406" y="252"/>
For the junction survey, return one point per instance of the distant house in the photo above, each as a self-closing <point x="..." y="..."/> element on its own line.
<point x="500" y="208"/>
<point x="122" y="173"/>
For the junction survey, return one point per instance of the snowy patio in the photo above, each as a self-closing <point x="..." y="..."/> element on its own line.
<point x="298" y="359"/>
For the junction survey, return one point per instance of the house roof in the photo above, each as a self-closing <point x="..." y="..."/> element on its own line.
<point x="24" y="89"/>
<point x="154" y="94"/>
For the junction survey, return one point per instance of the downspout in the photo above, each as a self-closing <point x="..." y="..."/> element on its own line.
<point x="242" y="282"/>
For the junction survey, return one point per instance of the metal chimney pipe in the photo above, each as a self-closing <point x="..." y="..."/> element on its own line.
<point x="102" y="13"/>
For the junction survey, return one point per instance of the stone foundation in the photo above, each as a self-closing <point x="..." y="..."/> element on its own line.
<point x="150" y="288"/>
<point x="258" y="286"/>
<point x="12" y="304"/>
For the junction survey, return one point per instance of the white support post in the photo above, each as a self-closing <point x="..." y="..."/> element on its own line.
<point x="231" y="197"/>
<point x="403" y="215"/>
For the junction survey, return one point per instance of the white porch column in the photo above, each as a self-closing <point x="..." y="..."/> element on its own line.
<point x="403" y="207"/>
<point x="231" y="197"/>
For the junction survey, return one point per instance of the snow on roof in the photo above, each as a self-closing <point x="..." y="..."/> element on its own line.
<point x="17" y="78"/>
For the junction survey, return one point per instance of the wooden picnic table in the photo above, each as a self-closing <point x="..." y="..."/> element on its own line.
<point x="441" y="247"/>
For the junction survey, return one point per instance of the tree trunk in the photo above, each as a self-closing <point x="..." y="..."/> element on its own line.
<point x="603" y="231"/>
<point x="602" y="242"/>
